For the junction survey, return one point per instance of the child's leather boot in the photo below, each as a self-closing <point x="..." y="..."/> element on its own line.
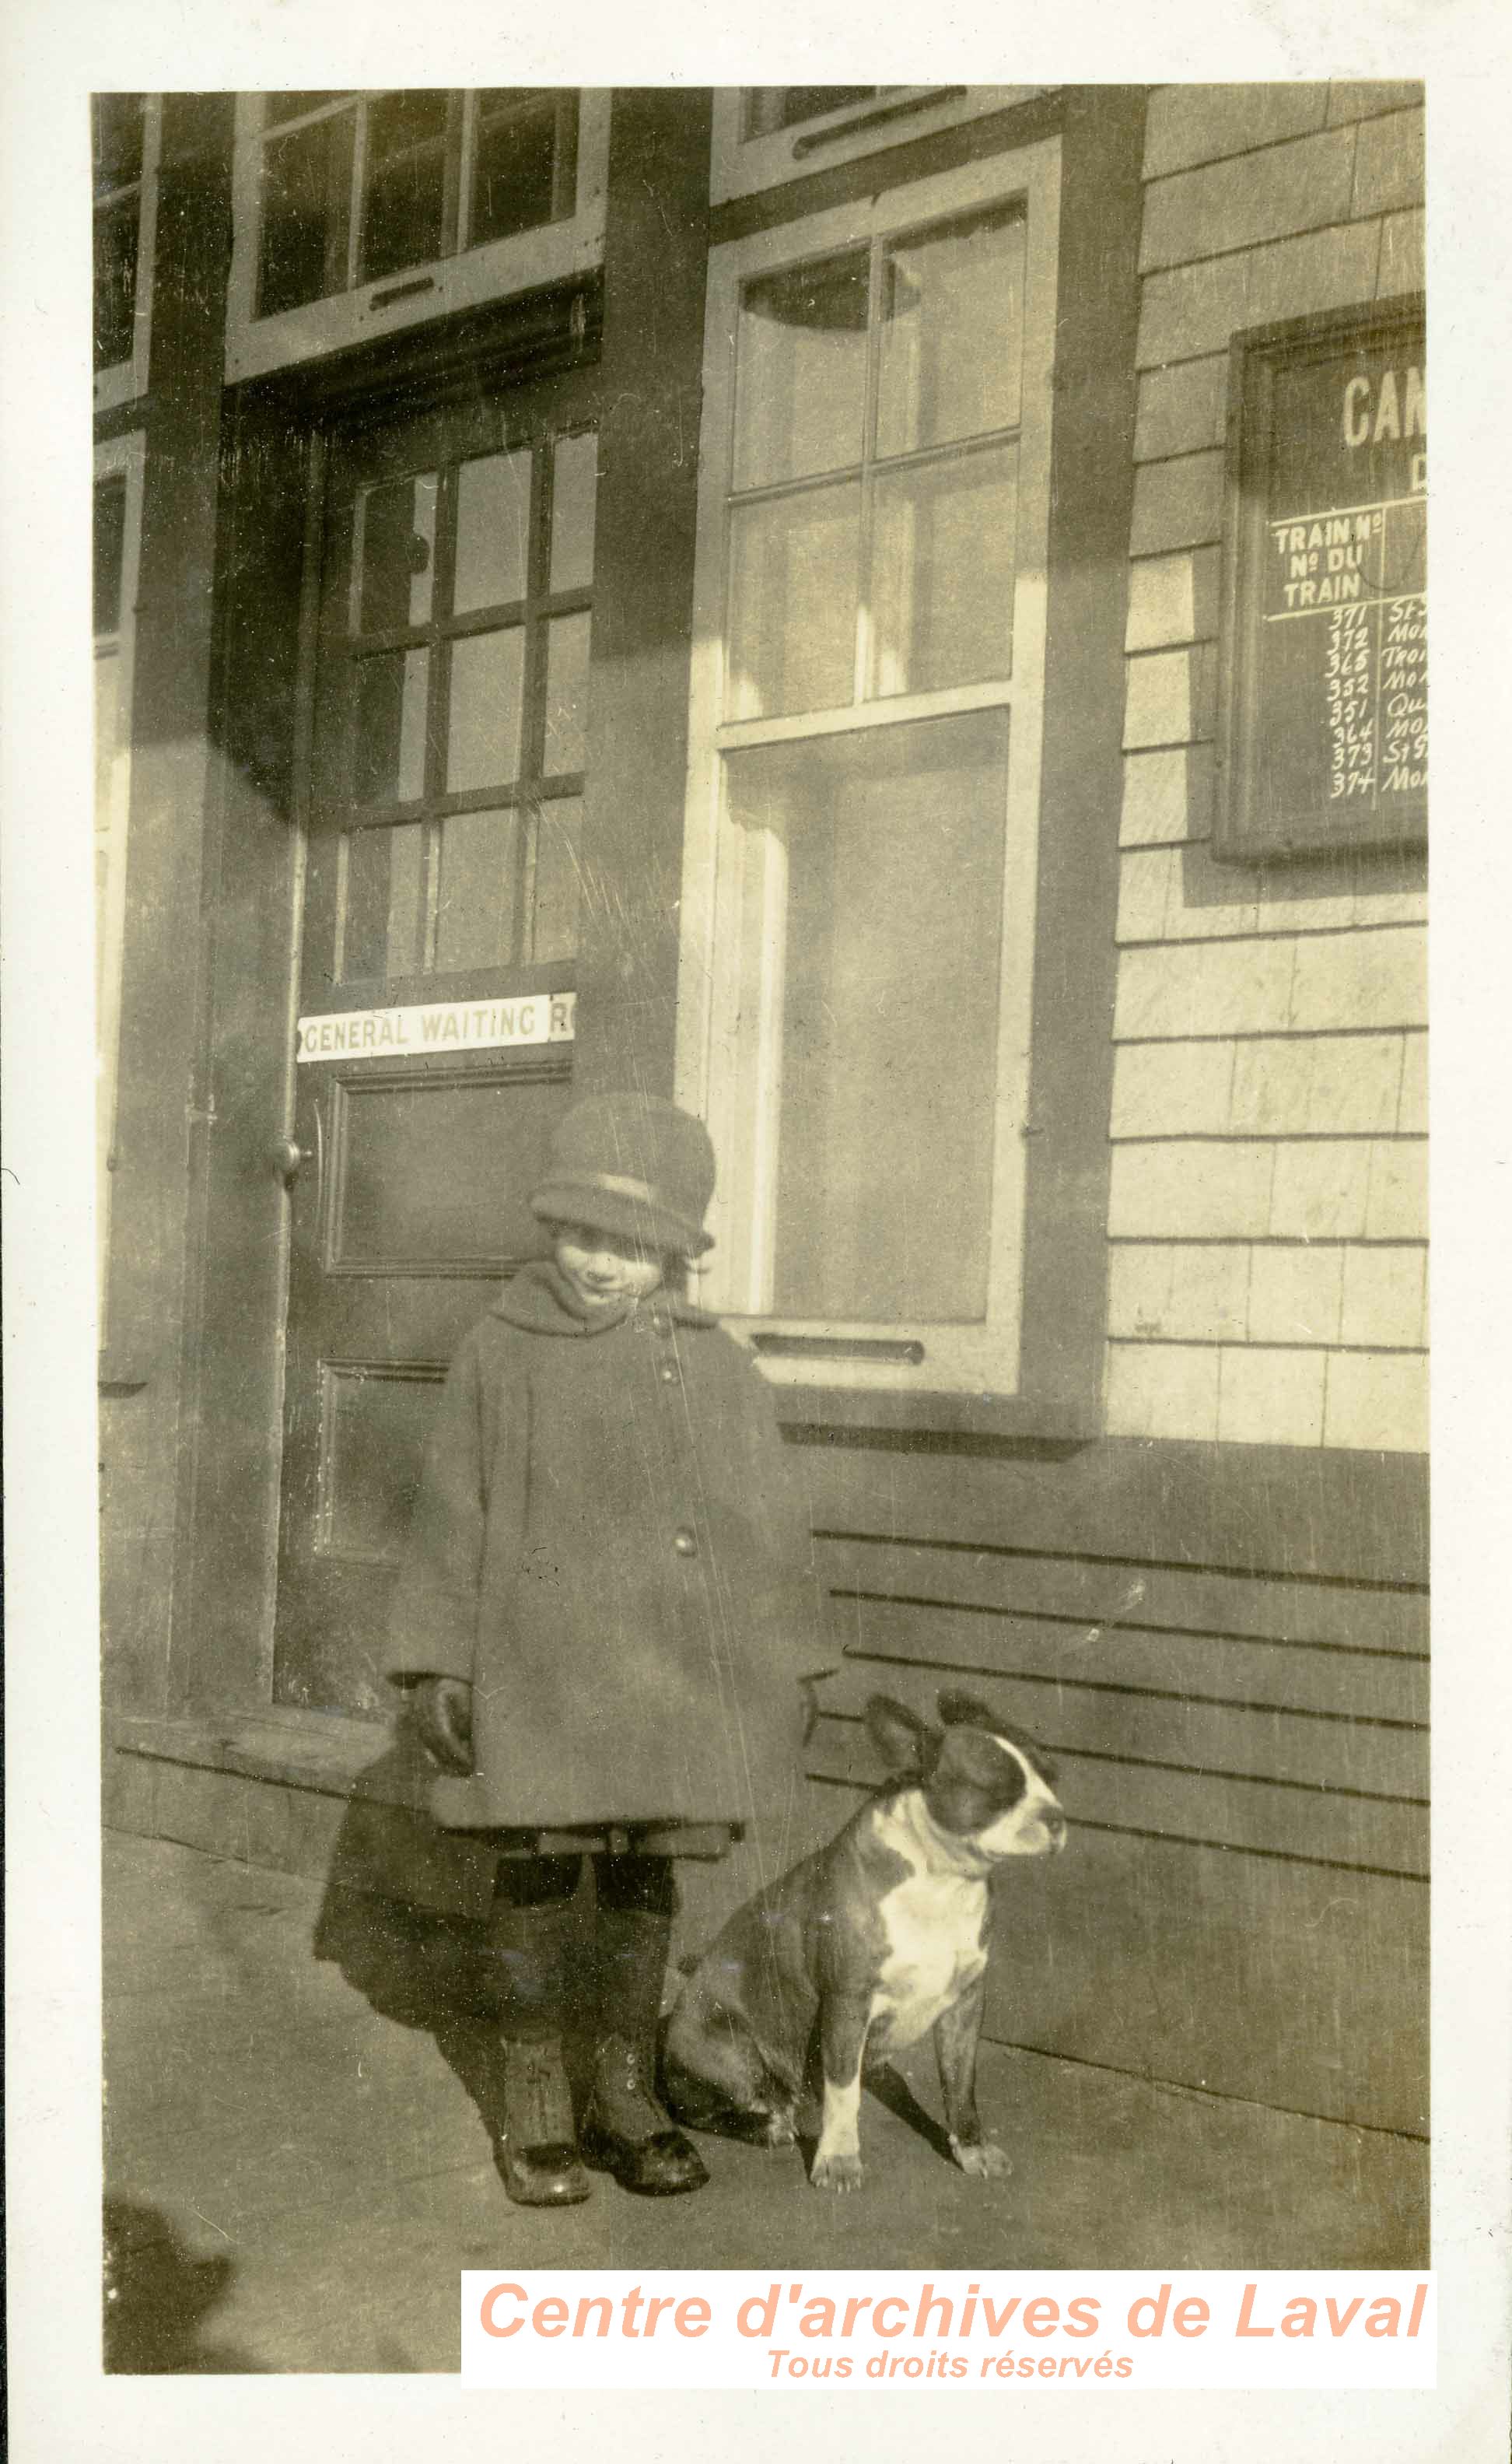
<point x="537" y="2145"/>
<point x="628" y="2132"/>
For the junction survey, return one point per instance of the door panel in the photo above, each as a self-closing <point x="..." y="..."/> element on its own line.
<point x="374" y="1416"/>
<point x="449" y="693"/>
<point x="422" y="1182"/>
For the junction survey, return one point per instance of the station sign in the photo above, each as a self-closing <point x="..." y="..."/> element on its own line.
<point x="1325" y="721"/>
<point x="437" y="1028"/>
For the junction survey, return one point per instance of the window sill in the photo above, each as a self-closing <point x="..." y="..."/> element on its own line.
<point x="1050" y="1421"/>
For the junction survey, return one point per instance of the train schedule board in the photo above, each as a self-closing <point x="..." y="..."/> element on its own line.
<point x="1324" y="707"/>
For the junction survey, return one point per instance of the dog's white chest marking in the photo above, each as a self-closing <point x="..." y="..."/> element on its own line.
<point x="934" y="1926"/>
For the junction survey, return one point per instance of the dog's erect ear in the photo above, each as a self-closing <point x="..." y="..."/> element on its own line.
<point x="964" y="1712"/>
<point x="900" y="1736"/>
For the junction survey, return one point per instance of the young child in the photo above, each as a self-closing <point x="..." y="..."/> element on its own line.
<point x="604" y="1618"/>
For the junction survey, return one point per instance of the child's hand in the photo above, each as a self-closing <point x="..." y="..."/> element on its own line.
<point x="443" y="1715"/>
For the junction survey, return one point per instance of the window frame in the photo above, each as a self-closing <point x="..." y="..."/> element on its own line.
<point x="966" y="1360"/>
<point x="124" y="458"/>
<point x="742" y="165"/>
<point x="125" y="380"/>
<point x="469" y="278"/>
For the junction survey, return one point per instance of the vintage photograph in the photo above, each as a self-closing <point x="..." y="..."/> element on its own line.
<point x="760" y="857"/>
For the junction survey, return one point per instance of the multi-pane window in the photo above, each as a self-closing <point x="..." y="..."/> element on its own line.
<point x="124" y="139"/>
<point x="465" y="687"/>
<point x="353" y="207"/>
<point x="865" y="770"/>
<point x="116" y="526"/>
<point x="355" y="187"/>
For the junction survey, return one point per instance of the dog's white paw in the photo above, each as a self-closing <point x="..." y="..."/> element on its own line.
<point x="984" y="2159"/>
<point x="782" y="2130"/>
<point x="837" y="2173"/>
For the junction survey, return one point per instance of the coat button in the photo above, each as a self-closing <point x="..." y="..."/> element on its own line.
<point x="661" y="1323"/>
<point x="667" y="1373"/>
<point x="685" y="1541"/>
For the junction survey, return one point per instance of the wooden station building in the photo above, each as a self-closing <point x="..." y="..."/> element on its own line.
<point x="895" y="616"/>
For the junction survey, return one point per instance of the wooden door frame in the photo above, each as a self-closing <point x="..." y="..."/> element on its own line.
<point x="269" y="533"/>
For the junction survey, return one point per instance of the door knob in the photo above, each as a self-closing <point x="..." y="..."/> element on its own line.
<point x="288" y="1160"/>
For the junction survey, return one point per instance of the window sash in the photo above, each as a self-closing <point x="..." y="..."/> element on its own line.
<point x="462" y="274"/>
<point x="126" y="379"/>
<point x="865" y="479"/>
<point x="731" y="952"/>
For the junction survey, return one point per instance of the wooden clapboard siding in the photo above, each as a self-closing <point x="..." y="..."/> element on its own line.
<point x="1199" y="1751"/>
<point x="1295" y="1985"/>
<point x="1320" y="1518"/>
<point x="1302" y="1825"/>
<point x="1335" y="1683"/>
<point x="1226" y="1653"/>
<point x="1114" y="1591"/>
<point x="1335" y="1751"/>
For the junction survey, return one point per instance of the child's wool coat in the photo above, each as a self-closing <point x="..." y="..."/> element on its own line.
<point x="610" y="1544"/>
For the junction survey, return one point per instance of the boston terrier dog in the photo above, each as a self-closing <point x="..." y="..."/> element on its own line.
<point x="861" y="1947"/>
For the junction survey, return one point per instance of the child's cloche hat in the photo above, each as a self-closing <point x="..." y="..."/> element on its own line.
<point x="630" y="1164"/>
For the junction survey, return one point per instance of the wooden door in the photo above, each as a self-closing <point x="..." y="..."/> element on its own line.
<point x="445" y="783"/>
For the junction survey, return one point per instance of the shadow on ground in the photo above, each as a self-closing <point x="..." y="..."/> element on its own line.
<point x="411" y="1963"/>
<point x="297" y="2180"/>
<point x="159" y="2297"/>
<point x="433" y="1971"/>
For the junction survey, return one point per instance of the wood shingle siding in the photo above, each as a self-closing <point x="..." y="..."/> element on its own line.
<point x="1264" y="1015"/>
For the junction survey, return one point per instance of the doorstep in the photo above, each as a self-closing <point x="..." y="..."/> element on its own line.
<point x="317" y="1794"/>
<point x="324" y="1751"/>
